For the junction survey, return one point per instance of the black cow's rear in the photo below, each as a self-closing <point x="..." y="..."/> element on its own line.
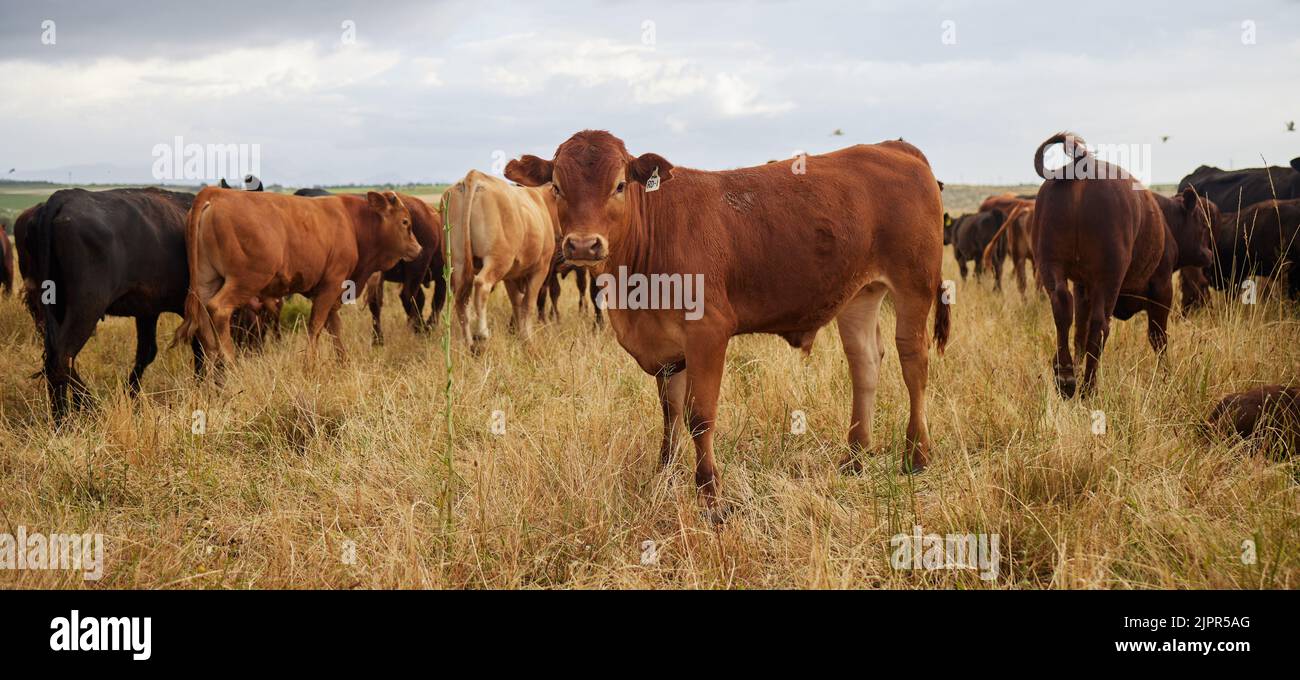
<point x="119" y="253"/>
<point x="1233" y="190"/>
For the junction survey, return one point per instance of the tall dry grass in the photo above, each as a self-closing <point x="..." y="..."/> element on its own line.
<point x="297" y="461"/>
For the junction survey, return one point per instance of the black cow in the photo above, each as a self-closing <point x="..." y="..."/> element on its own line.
<point x="971" y="234"/>
<point x="94" y="253"/>
<point x="308" y="191"/>
<point x="1257" y="241"/>
<point x="1232" y="190"/>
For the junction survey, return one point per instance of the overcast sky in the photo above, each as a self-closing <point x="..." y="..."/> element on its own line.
<point x="429" y="90"/>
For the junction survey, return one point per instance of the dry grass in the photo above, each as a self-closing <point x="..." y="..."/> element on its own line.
<point x="297" y="461"/>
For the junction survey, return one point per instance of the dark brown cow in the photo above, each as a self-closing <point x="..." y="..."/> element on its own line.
<point x="551" y="288"/>
<point x="971" y="235"/>
<point x="779" y="249"/>
<point x="1258" y="241"/>
<point x="248" y="245"/>
<point x="414" y="275"/>
<point x="1189" y="219"/>
<point x="1099" y="228"/>
<point x="1273" y="408"/>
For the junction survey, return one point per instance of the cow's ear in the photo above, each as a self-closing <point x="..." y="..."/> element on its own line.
<point x="645" y="165"/>
<point x="376" y="200"/>
<point x="947" y="220"/>
<point x="1295" y="163"/>
<point x="530" y="171"/>
<point x="1189" y="199"/>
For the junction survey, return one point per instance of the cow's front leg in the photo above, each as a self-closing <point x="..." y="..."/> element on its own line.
<point x="672" y="395"/>
<point x="705" y="357"/>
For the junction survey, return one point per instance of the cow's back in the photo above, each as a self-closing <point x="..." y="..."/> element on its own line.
<point x="296" y="241"/>
<point x="126" y="246"/>
<point x="785" y="238"/>
<point x="1100" y="224"/>
<point x="506" y="221"/>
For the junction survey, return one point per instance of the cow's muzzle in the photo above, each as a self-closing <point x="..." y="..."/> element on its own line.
<point x="584" y="249"/>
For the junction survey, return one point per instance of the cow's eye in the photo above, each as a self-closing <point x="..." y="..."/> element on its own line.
<point x="555" y="189"/>
<point x="619" y="189"/>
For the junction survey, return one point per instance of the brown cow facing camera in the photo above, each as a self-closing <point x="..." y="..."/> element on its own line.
<point x="779" y="249"/>
<point x="243" y="246"/>
<point x="1101" y="229"/>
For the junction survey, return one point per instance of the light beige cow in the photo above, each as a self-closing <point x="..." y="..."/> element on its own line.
<point x="510" y="230"/>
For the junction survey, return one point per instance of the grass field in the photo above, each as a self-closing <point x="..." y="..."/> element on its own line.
<point x="299" y="466"/>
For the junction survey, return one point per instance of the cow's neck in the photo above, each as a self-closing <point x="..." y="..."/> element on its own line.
<point x="367" y="247"/>
<point x="632" y="244"/>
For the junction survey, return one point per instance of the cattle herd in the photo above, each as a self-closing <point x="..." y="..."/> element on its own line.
<point x="780" y="252"/>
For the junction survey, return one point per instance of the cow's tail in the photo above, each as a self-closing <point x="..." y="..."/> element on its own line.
<point x="41" y="234"/>
<point x="467" y="278"/>
<point x="989" y="250"/>
<point x="194" y="310"/>
<point x="1074" y="149"/>
<point x="7" y="266"/>
<point x="942" y="322"/>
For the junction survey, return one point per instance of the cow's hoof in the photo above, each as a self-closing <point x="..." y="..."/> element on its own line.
<point x="850" y="465"/>
<point x="913" y="466"/>
<point x="1065" y="385"/>
<point x="718" y="514"/>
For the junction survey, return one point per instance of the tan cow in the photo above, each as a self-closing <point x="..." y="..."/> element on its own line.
<point x="510" y="231"/>
<point x="243" y="246"/>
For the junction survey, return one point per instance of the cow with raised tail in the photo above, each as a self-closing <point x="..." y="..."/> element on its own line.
<point x="1098" y="227"/>
<point x="778" y="249"/>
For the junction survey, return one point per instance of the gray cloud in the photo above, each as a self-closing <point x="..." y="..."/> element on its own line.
<point x="430" y="90"/>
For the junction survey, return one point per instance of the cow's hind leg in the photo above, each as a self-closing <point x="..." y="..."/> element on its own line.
<point x="531" y="290"/>
<point x="1058" y="289"/>
<point x="912" y="306"/>
<point x="60" y="359"/>
<point x="221" y="308"/>
<point x="860" y="334"/>
<point x="1082" y="310"/>
<point x="439" y="300"/>
<point x="1101" y="302"/>
<point x="146" y="349"/>
<point x="375" y="301"/>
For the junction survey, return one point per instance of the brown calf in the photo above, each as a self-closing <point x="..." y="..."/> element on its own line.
<point x="779" y="251"/>
<point x="1274" y="408"/>
<point x="1102" y="230"/>
<point x="243" y="246"/>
